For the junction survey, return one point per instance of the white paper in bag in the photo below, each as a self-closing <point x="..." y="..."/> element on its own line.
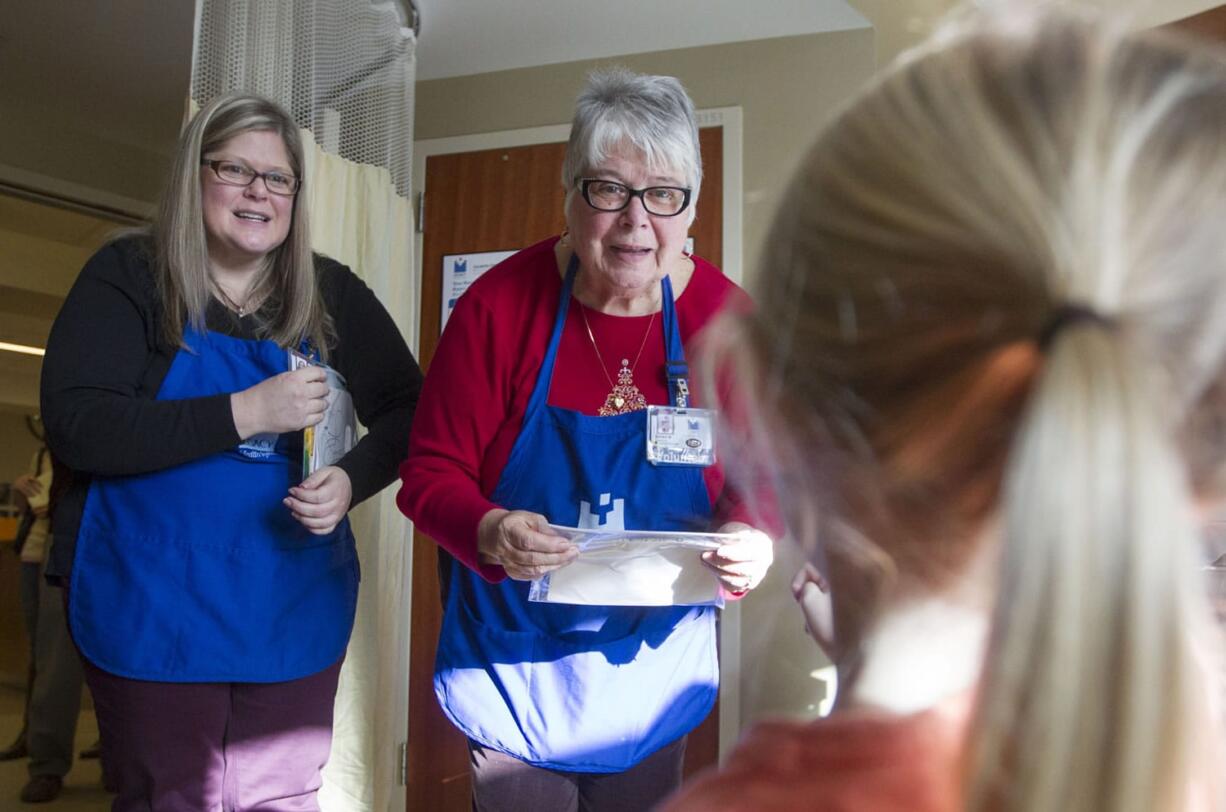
<point x="634" y="568"/>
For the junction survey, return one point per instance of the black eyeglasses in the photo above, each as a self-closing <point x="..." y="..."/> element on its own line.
<point x="236" y="174"/>
<point x="609" y="195"/>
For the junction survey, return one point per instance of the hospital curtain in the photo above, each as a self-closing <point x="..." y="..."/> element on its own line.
<point x="345" y="71"/>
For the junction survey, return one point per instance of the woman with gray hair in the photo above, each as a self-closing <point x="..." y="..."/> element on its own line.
<point x="213" y="575"/>
<point x="992" y="328"/>
<point x="579" y="346"/>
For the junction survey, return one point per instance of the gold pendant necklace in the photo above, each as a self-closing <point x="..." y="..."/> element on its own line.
<point x="239" y="309"/>
<point x="625" y="396"/>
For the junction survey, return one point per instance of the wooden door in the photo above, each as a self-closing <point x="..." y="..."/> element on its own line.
<point x="498" y="200"/>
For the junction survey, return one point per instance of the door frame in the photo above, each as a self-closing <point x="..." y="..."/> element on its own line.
<point x="729" y="120"/>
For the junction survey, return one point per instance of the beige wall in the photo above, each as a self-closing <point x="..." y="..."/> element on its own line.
<point x="785" y="87"/>
<point x="1157" y="12"/>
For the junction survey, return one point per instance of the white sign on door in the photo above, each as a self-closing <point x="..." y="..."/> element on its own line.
<point x="460" y="271"/>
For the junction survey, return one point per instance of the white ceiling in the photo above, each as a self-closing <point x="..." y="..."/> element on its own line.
<point x="460" y="37"/>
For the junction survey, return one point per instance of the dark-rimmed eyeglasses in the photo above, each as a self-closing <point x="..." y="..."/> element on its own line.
<point x="235" y="174"/>
<point x="609" y="195"/>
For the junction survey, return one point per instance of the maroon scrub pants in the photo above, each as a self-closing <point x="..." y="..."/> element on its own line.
<point x="209" y="746"/>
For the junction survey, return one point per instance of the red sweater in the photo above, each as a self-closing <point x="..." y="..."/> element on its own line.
<point x="484" y="370"/>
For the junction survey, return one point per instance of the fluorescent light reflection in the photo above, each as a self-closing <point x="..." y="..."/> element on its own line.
<point x="828" y="676"/>
<point x="22" y="348"/>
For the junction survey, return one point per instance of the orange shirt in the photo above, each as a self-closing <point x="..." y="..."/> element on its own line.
<point x="855" y="761"/>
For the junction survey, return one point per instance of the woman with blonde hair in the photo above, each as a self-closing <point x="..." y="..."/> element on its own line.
<point x="990" y="346"/>
<point x="213" y="575"/>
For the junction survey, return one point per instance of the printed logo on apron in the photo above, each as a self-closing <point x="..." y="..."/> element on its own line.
<point x="608" y="515"/>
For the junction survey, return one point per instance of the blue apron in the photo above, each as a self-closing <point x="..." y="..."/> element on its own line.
<point x="198" y="572"/>
<point x="580" y="688"/>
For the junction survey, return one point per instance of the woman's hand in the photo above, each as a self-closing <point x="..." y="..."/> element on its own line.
<point x="812" y="592"/>
<point x="286" y="402"/>
<point x="322" y="500"/>
<point x="28" y="486"/>
<point x="741" y="564"/>
<point x="522" y="544"/>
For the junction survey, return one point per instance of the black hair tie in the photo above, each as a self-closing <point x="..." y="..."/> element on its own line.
<point x="1067" y="315"/>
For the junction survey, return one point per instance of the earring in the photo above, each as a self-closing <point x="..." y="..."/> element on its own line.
<point x="565" y="239"/>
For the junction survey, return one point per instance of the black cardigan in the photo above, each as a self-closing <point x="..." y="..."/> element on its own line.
<point x="106" y="360"/>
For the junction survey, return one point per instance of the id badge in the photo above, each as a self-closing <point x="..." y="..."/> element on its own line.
<point x="677" y="436"/>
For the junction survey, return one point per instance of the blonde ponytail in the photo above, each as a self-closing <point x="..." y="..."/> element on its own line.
<point x="1015" y="167"/>
<point x="1092" y="698"/>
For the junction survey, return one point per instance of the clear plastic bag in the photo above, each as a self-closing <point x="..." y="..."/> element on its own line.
<point x="634" y="568"/>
